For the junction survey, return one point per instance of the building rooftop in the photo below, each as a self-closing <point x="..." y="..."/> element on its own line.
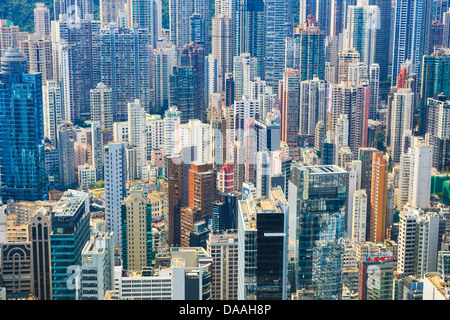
<point x="70" y="202"/>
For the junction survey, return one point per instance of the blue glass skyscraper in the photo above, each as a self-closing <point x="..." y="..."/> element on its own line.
<point x="70" y="232"/>
<point x="317" y="201"/>
<point x="22" y="163"/>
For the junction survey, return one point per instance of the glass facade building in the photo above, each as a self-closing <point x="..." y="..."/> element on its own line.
<point x="317" y="201"/>
<point x="70" y="233"/>
<point x="22" y="130"/>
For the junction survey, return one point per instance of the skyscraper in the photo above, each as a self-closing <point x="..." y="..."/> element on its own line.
<point x="146" y="14"/>
<point x="115" y="187"/>
<point x="401" y="119"/>
<point x="41" y="19"/>
<point x="278" y="24"/>
<point x="320" y="228"/>
<point x="289" y="95"/>
<point x="124" y="67"/>
<point x="179" y="19"/>
<point x="410" y="34"/>
<point x="262" y="247"/>
<point x="22" y="130"/>
<point x="222" y="47"/>
<point x="378" y="200"/>
<point x="250" y="31"/>
<point x="183" y="86"/>
<point x="194" y="55"/>
<point x="101" y="106"/>
<point x="435" y="81"/>
<point x="75" y="63"/>
<point x="70" y="232"/>
<point x="136" y="218"/>
<point x="40" y="227"/>
<point x="305" y="50"/>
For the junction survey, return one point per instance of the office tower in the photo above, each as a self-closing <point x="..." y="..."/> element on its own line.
<point x="378" y="200"/>
<point x="38" y="51"/>
<point x="110" y="11"/>
<point x="421" y="182"/>
<point x="52" y="105"/>
<point x="353" y="101"/>
<point x="136" y="230"/>
<point x="41" y="19"/>
<point x="22" y="130"/>
<point x="115" y="172"/>
<point x="305" y="51"/>
<point x="363" y="21"/>
<point x="437" y="130"/>
<point x="202" y="181"/>
<point x="435" y="37"/>
<point x="136" y="132"/>
<point x="267" y="135"/>
<point x="244" y="71"/>
<point x="197" y="30"/>
<point x="323" y="15"/>
<point x="146" y="14"/>
<point x="70" y="232"/>
<point x="164" y="59"/>
<point x="17" y="269"/>
<point x="320" y="228"/>
<point x="435" y="81"/>
<point x="191" y="273"/>
<point x="75" y="63"/>
<point x="222" y="46"/>
<point x="278" y="25"/>
<point x="101" y="106"/>
<point x="173" y="176"/>
<point x="40" y="228"/>
<point x="66" y="154"/>
<point x="124" y="67"/>
<point x="225" y="211"/>
<point x="410" y="34"/>
<point x="313" y="104"/>
<point x="250" y="31"/>
<point x="180" y="12"/>
<point x="73" y="8"/>
<point x="377" y="276"/>
<point x="223" y="248"/>
<point x="189" y="219"/>
<point x="401" y="120"/>
<point x="183" y="86"/>
<point x="289" y="95"/>
<point x="365" y="155"/>
<point x="383" y="36"/>
<point x="97" y="268"/>
<point x="194" y="55"/>
<point x="262" y="247"/>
